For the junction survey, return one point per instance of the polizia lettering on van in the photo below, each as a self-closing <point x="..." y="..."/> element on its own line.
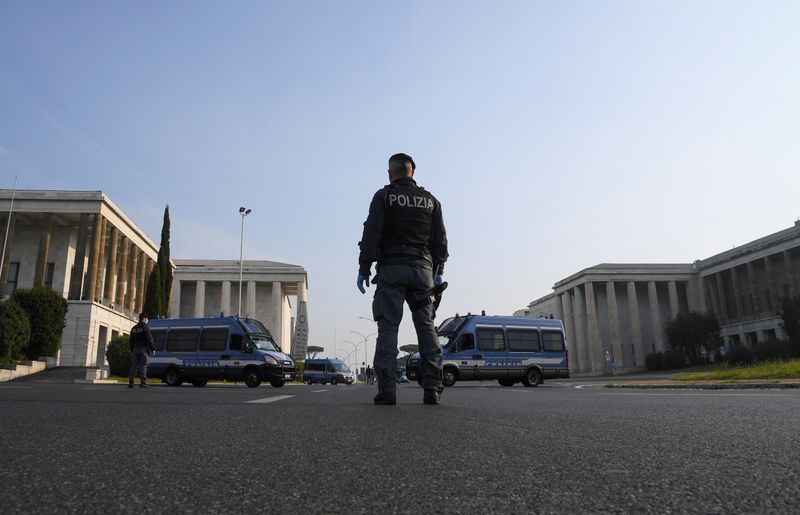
<point x="200" y="363"/>
<point x="502" y="363"/>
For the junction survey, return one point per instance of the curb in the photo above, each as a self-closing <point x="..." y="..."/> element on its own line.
<point x="716" y="386"/>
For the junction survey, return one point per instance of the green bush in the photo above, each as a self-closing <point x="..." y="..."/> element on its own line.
<point x="118" y="354"/>
<point x="673" y="359"/>
<point x="15" y="332"/>
<point x="47" y="313"/>
<point x="654" y="361"/>
<point x="771" y="350"/>
<point x="740" y="355"/>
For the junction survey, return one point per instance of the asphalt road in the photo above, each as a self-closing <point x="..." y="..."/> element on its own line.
<point x="563" y="447"/>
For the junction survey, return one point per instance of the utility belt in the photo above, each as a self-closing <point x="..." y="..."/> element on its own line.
<point x="397" y="251"/>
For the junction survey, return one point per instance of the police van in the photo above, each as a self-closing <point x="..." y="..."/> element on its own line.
<point x="201" y="349"/>
<point x="333" y="371"/>
<point x="508" y="349"/>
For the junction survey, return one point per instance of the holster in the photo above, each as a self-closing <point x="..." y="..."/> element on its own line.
<point x="432" y="296"/>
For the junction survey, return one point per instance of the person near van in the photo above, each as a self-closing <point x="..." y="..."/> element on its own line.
<point x="404" y="233"/>
<point x="142" y="344"/>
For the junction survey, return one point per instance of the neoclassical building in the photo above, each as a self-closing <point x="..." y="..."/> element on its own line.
<point x="85" y="248"/>
<point x="211" y="287"/>
<point x="80" y="244"/>
<point x="615" y="313"/>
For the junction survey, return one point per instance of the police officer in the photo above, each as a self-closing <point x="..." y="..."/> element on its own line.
<point x="141" y="343"/>
<point x="404" y="233"/>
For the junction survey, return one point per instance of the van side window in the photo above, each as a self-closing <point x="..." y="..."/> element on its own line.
<point x="491" y="339"/>
<point x="464" y="342"/>
<point x="182" y="340"/>
<point x="214" y="339"/>
<point x="553" y="341"/>
<point x="521" y="340"/>
<point x="236" y="342"/>
<point x="159" y="338"/>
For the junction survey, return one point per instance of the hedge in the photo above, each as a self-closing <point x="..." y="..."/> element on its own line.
<point x="15" y="332"/>
<point x="118" y="354"/>
<point x="47" y="313"/>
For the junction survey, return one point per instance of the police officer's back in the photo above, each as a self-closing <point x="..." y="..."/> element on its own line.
<point x="404" y="233"/>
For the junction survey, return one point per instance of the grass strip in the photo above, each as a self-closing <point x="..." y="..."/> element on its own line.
<point x="770" y="370"/>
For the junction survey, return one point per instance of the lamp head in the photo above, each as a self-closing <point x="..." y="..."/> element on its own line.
<point x="241" y="210"/>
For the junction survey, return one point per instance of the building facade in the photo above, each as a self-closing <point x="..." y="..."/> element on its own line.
<point x="614" y="314"/>
<point x="85" y="248"/>
<point x="211" y="287"/>
<point x="81" y="245"/>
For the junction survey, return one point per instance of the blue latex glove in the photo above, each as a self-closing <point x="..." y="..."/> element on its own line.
<point x="360" y="281"/>
<point x="438" y="279"/>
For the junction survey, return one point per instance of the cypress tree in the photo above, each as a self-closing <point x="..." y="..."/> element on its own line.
<point x="154" y="296"/>
<point x="165" y="266"/>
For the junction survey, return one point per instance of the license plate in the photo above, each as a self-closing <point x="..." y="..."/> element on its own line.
<point x="287" y="376"/>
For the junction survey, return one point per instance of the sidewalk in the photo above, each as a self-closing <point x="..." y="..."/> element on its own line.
<point x="706" y="385"/>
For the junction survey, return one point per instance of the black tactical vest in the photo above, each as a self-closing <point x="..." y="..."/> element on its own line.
<point x="408" y="214"/>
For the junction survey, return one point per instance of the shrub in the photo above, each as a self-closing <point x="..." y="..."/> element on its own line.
<point x="118" y="354"/>
<point x="771" y="350"/>
<point x="15" y="331"/>
<point x="673" y="359"/>
<point x="654" y="361"/>
<point x="740" y="355"/>
<point x="47" y="313"/>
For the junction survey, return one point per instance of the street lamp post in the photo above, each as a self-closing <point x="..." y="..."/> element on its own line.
<point x="244" y="212"/>
<point x="365" y="345"/>
<point x="355" y="349"/>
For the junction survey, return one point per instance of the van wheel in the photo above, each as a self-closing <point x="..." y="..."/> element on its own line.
<point x="252" y="378"/>
<point x="171" y="377"/>
<point x="448" y="377"/>
<point x="277" y="383"/>
<point x="200" y="382"/>
<point x="506" y="382"/>
<point x="532" y="377"/>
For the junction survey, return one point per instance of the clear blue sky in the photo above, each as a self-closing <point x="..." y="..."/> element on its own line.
<point x="557" y="135"/>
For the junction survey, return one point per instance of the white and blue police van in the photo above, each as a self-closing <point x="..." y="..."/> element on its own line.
<point x="508" y="349"/>
<point x="324" y="371"/>
<point x="197" y="350"/>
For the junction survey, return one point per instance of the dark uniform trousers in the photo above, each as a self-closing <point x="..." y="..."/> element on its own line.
<point x="397" y="284"/>
<point x="138" y="365"/>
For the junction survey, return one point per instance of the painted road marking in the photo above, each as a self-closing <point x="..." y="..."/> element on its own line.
<point x="696" y="393"/>
<point x="318" y="391"/>
<point x="266" y="400"/>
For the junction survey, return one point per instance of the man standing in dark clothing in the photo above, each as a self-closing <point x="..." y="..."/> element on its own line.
<point x="404" y="233"/>
<point x="141" y="342"/>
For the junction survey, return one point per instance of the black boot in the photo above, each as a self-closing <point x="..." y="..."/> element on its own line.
<point x="431" y="397"/>
<point x="387" y="399"/>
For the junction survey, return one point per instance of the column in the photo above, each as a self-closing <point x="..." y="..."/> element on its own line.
<point x="721" y="299"/>
<point x="787" y="259"/>
<point x="140" y="281"/>
<point x="9" y="245"/>
<point x="696" y="295"/>
<point x="636" y="325"/>
<point x="580" y="330"/>
<point x="596" y="347"/>
<point x="76" y="279"/>
<point x="44" y="249"/>
<point x="175" y="312"/>
<point x="200" y="299"/>
<point x="569" y="327"/>
<point x="101" y="261"/>
<point x="122" y="273"/>
<point x="225" y="298"/>
<point x="674" y="304"/>
<point x="655" y="315"/>
<point x="751" y="279"/>
<point x="773" y="290"/>
<point x="111" y="273"/>
<point x="130" y="294"/>
<point x="613" y="324"/>
<point x="250" y="307"/>
<point x="277" y="311"/>
<point x="737" y="295"/>
<point x="94" y="250"/>
<point x="302" y="292"/>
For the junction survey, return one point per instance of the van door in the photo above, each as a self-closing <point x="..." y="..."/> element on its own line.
<point x="491" y="353"/>
<point x="460" y="353"/>
<point x="524" y="350"/>
<point x="233" y="366"/>
<point x="213" y="342"/>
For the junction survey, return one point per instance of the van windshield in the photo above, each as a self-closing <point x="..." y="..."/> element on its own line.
<point x="451" y="325"/>
<point x="263" y="342"/>
<point x="340" y="367"/>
